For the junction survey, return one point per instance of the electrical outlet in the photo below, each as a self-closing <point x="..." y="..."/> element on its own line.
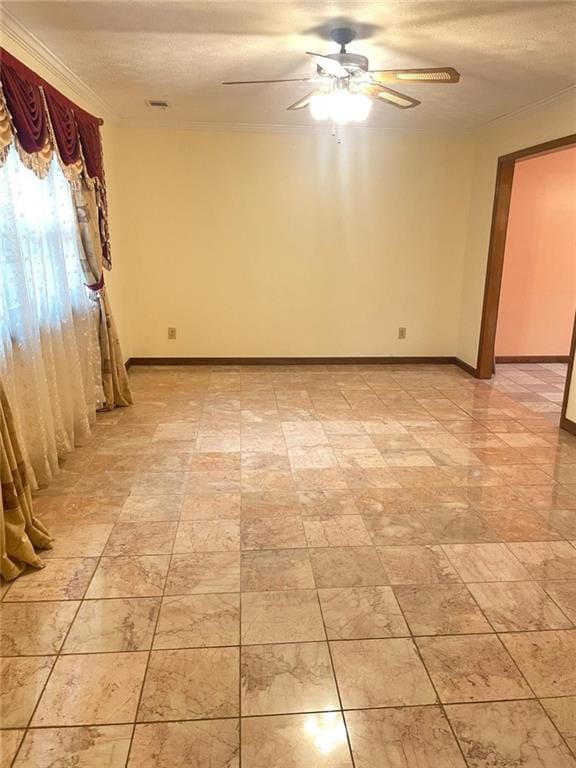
<point x="401" y="333"/>
<point x="171" y="333"/>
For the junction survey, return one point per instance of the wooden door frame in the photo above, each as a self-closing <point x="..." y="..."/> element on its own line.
<point x="565" y="423"/>
<point x="495" y="266"/>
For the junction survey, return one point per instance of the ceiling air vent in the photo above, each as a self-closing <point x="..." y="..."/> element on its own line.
<point x="157" y="103"/>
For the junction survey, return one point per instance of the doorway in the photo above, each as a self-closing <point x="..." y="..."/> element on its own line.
<point x="507" y="165"/>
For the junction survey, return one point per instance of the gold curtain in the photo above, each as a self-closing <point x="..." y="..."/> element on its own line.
<point x="114" y="377"/>
<point x="20" y="532"/>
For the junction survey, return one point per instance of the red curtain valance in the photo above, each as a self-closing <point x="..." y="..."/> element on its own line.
<point x="33" y="104"/>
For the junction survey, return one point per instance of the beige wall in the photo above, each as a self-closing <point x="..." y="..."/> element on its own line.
<point x="260" y="244"/>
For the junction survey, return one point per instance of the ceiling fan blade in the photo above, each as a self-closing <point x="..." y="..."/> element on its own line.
<point x="288" y="80"/>
<point x="380" y="93"/>
<point x="331" y="66"/>
<point x="433" y="75"/>
<point x="304" y="101"/>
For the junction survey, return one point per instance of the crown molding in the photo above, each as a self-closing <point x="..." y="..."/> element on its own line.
<point x="312" y="129"/>
<point x="14" y="30"/>
<point x="559" y="96"/>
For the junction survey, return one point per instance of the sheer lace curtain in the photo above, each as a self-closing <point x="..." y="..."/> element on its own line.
<point x="49" y="349"/>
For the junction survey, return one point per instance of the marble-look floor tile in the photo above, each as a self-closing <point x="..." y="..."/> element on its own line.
<point x="327" y="503"/>
<point x="215" y="462"/>
<point x="191" y="684"/>
<point x="270" y="504"/>
<point x="319" y="480"/>
<point x="457" y="526"/>
<point x="211" y="506"/>
<point x="546" y="659"/>
<point x="207" y="536"/>
<point x="417" y="565"/>
<point x="404" y="737"/>
<point x="298" y="434"/>
<point x="193" y="744"/>
<point x="380" y="673"/>
<point x="531" y="525"/>
<point x="347" y="567"/>
<point x="204" y="572"/>
<point x="523" y="440"/>
<point x="312" y="457"/>
<point x="34" y="629"/>
<point x="60" y="579"/>
<point x="485" y="562"/>
<point x="351" y="442"/>
<point x="158" y="483"/>
<point x="9" y="743"/>
<point x="472" y="668"/>
<point x="295" y="741"/>
<point x="563" y="521"/>
<point x="104" y="746"/>
<point x="397" y="528"/>
<point x="508" y="734"/>
<point x="90" y="689"/>
<point x="212" y="481"/>
<point x="284" y="678"/>
<point x="124" y="624"/>
<point x="195" y="621"/>
<point x="138" y="509"/>
<point x="265" y="480"/>
<point x="22" y="679"/>
<point x="361" y="612"/>
<point x="139" y="576"/>
<point x="518" y="605"/>
<point x="564" y="594"/>
<point x="141" y="538"/>
<point x="272" y="533"/>
<point x="292" y="616"/>
<point x="275" y="570"/>
<point x="78" y="540"/>
<point x="336" y="531"/>
<point x="547" y="559"/>
<point x="562" y="712"/>
<point x="173" y="461"/>
<point x="440" y="609"/>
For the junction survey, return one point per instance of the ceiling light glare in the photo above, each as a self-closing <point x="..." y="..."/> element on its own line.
<point x="320" y="106"/>
<point x="360" y="107"/>
<point x="341" y="107"/>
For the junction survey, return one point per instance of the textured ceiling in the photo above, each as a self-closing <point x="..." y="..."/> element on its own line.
<point x="510" y="54"/>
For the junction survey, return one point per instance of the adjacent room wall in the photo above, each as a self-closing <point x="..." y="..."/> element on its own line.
<point x="544" y="122"/>
<point x="538" y="295"/>
<point x="263" y="244"/>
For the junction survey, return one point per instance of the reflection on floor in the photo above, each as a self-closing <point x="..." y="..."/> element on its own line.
<point x="540" y="386"/>
<point x="370" y="566"/>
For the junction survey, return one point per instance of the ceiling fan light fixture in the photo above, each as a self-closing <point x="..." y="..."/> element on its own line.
<point x="340" y="106"/>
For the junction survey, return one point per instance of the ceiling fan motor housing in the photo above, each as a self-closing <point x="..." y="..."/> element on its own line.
<point x="353" y="62"/>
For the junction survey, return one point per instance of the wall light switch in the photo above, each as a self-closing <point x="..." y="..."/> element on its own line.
<point x="171" y="333"/>
<point x="401" y="333"/>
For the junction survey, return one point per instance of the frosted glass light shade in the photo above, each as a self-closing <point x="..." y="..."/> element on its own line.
<point x="341" y="107"/>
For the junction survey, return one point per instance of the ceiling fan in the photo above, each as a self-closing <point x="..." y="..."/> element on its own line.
<point x="346" y="88"/>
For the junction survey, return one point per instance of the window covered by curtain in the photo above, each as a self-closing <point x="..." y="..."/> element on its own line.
<point x="49" y="347"/>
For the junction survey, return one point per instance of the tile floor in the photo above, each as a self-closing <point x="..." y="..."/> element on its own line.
<point x="304" y="567"/>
